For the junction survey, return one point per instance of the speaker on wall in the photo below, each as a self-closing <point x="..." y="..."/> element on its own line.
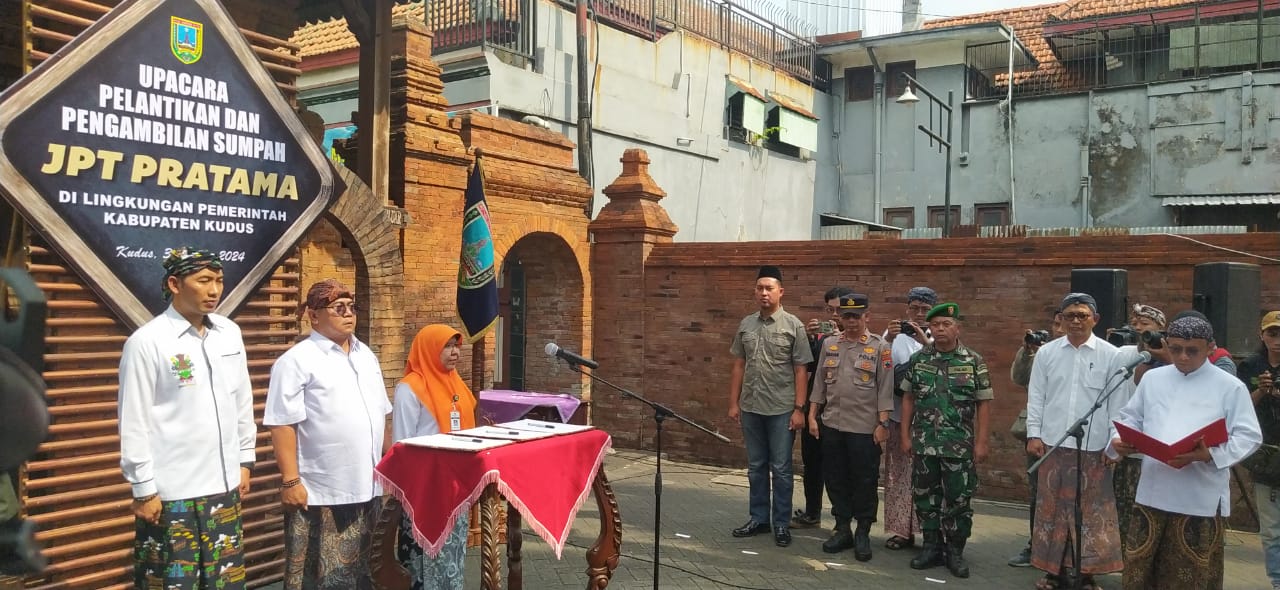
<point x="1229" y="294"/>
<point x="1110" y="286"/>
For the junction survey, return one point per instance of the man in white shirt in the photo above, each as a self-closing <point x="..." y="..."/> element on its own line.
<point x="187" y="433"/>
<point x="1069" y="375"/>
<point x="1178" y="520"/>
<point x="327" y="407"/>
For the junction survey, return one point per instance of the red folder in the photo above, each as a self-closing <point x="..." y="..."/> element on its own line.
<point x="1214" y="434"/>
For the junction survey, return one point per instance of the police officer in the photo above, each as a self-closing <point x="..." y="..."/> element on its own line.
<point x="945" y="421"/>
<point x="854" y="389"/>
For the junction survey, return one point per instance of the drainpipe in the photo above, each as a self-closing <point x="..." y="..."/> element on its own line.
<point x="877" y="110"/>
<point x="1086" y="180"/>
<point x="1013" y="193"/>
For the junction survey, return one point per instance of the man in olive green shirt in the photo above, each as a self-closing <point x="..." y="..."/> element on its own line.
<point x="767" y="392"/>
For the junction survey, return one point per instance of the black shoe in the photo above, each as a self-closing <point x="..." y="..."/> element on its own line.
<point x="932" y="553"/>
<point x="840" y="540"/>
<point x="782" y="537"/>
<point x="862" y="544"/>
<point x="804" y="520"/>
<point x="751" y="529"/>
<point x="955" y="560"/>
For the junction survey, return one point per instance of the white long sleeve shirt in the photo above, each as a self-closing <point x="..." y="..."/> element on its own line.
<point x="410" y="419"/>
<point x="1065" y="383"/>
<point x="903" y="347"/>
<point x="185" y="408"/>
<point x="338" y="403"/>
<point x="1170" y="405"/>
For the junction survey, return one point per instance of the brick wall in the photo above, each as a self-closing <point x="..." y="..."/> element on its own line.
<point x="323" y="255"/>
<point x="695" y="294"/>
<point x="535" y="198"/>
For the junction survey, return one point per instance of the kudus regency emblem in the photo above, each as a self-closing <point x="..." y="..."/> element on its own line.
<point x="186" y="39"/>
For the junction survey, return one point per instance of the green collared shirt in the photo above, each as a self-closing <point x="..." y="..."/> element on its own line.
<point x="771" y="347"/>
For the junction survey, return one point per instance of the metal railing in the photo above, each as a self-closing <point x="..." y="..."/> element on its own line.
<point x="506" y="25"/>
<point x="509" y="25"/>
<point x="1187" y="42"/>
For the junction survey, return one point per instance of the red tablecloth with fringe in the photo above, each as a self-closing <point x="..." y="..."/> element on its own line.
<point x="547" y="480"/>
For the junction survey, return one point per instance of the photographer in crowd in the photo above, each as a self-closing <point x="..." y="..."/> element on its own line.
<point x="907" y="337"/>
<point x="1218" y="356"/>
<point x="1020" y="374"/>
<point x="810" y="447"/>
<point x="1261" y="376"/>
<point x="1147" y="324"/>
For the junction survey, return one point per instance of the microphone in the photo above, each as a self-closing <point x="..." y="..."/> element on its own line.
<point x="1143" y="357"/>
<point x="575" y="359"/>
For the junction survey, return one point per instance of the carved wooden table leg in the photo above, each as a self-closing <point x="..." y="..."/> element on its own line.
<point x="490" y="559"/>
<point x="515" y="540"/>
<point x="386" y="570"/>
<point x="602" y="558"/>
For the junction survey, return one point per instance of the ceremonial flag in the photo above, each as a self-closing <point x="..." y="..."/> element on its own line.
<point x="477" y="287"/>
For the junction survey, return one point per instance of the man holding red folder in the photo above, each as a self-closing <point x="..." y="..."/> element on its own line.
<point x="1181" y="504"/>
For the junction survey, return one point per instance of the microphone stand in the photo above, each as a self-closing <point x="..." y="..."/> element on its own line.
<point x="1076" y="431"/>
<point x="660" y="414"/>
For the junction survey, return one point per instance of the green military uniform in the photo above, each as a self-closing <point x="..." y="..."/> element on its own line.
<point x="947" y="387"/>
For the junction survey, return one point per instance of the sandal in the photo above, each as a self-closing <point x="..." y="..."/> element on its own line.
<point x="897" y="542"/>
<point x="1090" y="584"/>
<point x="1048" y="582"/>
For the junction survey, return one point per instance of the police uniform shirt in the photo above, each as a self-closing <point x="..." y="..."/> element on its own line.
<point x="855" y="382"/>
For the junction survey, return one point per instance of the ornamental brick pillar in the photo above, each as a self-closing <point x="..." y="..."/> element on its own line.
<point x="625" y="232"/>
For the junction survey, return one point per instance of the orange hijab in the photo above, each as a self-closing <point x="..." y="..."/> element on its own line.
<point x="438" y="390"/>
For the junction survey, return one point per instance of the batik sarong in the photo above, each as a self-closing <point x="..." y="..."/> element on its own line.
<point x="195" y="546"/>
<point x="1170" y="550"/>
<point x="1125" y="484"/>
<point x="1053" y="539"/>
<point x="328" y="547"/>
<point x="442" y="572"/>
<point x="899" y="506"/>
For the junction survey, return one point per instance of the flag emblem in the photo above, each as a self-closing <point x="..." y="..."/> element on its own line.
<point x="477" y="287"/>
<point x="186" y="39"/>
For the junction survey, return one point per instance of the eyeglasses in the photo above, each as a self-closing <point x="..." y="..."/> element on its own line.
<point x="918" y="308"/>
<point x="1179" y="350"/>
<point x="343" y="308"/>
<point x="1076" y="316"/>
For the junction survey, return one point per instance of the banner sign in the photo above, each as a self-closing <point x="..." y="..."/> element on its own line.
<point x="158" y="128"/>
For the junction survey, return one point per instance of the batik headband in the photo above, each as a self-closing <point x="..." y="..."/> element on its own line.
<point x="1151" y="313"/>
<point x="184" y="261"/>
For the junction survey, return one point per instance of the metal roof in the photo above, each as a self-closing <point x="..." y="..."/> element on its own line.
<point x="1215" y="200"/>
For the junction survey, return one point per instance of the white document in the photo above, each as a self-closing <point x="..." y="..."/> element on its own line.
<point x="544" y="427"/>
<point x="455" y="443"/>
<point x="502" y="433"/>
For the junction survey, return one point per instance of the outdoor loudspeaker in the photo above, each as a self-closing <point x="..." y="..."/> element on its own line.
<point x="1229" y="294"/>
<point x="1110" y="286"/>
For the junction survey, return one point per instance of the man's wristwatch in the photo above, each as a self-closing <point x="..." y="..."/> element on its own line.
<point x="800" y="409"/>
<point x="885" y="424"/>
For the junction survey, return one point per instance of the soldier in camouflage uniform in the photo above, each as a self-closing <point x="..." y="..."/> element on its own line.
<point x="945" y="418"/>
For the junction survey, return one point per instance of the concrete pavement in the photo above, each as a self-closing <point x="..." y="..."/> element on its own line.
<point x="701" y="504"/>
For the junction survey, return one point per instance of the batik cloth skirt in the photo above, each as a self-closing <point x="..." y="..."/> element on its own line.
<point x="1053" y="539"/>
<point x="899" y="504"/>
<point x="1170" y="550"/>
<point x="328" y="547"/>
<point x="196" y="545"/>
<point x="442" y="572"/>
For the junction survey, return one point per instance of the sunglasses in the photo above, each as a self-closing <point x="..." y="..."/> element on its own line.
<point x="343" y="308"/>
<point x="1076" y="316"/>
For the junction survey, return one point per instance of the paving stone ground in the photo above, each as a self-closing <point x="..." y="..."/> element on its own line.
<point x="701" y="504"/>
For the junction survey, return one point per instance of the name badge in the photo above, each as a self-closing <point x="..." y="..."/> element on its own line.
<point x="455" y="421"/>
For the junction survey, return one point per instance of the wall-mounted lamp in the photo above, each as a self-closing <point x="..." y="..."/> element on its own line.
<point x="908" y="97"/>
<point x="684" y="141"/>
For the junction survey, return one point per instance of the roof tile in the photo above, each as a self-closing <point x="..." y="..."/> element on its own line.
<point x="332" y="36"/>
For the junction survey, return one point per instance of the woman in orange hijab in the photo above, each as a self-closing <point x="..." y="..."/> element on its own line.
<point x="431" y="399"/>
